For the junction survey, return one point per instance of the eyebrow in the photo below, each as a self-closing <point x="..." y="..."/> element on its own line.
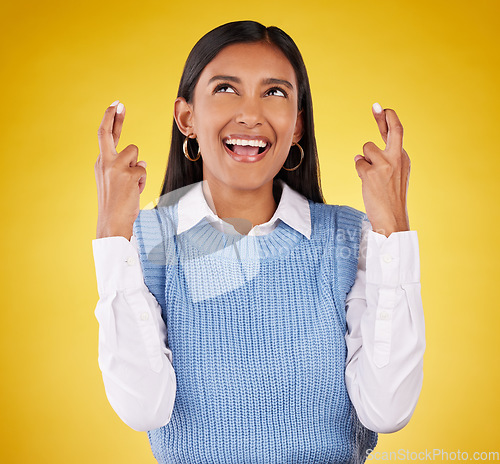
<point x="270" y="80"/>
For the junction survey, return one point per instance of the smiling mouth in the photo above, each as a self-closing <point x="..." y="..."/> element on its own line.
<point x="247" y="147"/>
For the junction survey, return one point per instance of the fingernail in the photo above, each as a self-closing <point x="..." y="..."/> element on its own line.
<point x="115" y="103"/>
<point x="377" y="108"/>
<point x="119" y="108"/>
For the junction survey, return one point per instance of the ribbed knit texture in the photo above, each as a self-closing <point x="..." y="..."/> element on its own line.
<point x="256" y="325"/>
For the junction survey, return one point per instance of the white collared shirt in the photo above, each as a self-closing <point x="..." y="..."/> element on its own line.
<point x="293" y="209"/>
<point x="385" y="334"/>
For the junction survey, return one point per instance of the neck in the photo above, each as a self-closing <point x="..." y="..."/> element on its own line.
<point x="243" y="209"/>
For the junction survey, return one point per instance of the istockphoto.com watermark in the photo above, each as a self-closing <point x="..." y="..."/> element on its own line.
<point x="432" y="455"/>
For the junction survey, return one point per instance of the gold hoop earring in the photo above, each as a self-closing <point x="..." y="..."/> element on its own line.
<point x="301" y="157"/>
<point x="185" y="149"/>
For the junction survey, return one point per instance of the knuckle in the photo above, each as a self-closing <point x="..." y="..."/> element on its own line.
<point x="99" y="163"/>
<point x="114" y="169"/>
<point x="384" y="167"/>
<point x="130" y="151"/>
<point x="107" y="173"/>
<point x="387" y="168"/>
<point x="117" y="175"/>
<point x="367" y="146"/>
<point x="103" y="131"/>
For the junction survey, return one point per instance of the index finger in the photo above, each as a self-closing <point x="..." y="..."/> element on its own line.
<point x="105" y="131"/>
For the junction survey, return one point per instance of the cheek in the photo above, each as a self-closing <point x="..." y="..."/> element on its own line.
<point x="283" y="118"/>
<point x="210" y="119"/>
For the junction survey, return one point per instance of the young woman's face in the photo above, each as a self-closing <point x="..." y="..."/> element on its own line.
<point x="245" y="116"/>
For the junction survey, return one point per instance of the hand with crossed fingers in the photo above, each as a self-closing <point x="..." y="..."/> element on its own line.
<point x="385" y="175"/>
<point x="120" y="178"/>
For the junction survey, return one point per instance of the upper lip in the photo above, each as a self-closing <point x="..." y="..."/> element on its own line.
<point x="246" y="137"/>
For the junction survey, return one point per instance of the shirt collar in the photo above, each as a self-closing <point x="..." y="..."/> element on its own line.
<point x="293" y="209"/>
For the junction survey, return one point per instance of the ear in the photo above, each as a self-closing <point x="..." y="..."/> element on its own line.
<point x="183" y="115"/>
<point x="299" y="127"/>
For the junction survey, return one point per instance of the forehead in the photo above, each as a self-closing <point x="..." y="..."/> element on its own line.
<point x="257" y="61"/>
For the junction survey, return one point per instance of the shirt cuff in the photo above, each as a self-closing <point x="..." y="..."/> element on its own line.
<point x="117" y="264"/>
<point x="394" y="260"/>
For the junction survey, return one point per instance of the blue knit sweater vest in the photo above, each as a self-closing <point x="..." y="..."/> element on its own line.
<point x="256" y="325"/>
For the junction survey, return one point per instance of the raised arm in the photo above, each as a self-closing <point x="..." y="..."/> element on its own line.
<point x="135" y="361"/>
<point x="386" y="334"/>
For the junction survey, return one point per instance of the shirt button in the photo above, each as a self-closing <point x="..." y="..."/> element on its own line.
<point x="384" y="315"/>
<point x="387" y="258"/>
<point x="144" y="316"/>
<point x="131" y="261"/>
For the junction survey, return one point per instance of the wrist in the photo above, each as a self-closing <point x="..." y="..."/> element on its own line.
<point x="388" y="227"/>
<point x="388" y="231"/>
<point x="114" y="230"/>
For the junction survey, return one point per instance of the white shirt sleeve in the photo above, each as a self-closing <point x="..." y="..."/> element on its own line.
<point x="385" y="331"/>
<point x="136" y="364"/>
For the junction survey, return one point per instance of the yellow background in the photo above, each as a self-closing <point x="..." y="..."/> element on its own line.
<point x="435" y="62"/>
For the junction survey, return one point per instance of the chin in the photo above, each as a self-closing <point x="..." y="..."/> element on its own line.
<point x="247" y="181"/>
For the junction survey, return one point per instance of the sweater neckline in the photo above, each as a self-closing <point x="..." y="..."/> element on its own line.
<point x="208" y="240"/>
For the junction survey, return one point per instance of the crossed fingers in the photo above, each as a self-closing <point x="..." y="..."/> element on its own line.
<point x="110" y="129"/>
<point x="391" y="130"/>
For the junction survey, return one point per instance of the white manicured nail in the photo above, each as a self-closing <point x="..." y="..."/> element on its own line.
<point x="115" y="103"/>
<point x="377" y="108"/>
<point x="119" y="108"/>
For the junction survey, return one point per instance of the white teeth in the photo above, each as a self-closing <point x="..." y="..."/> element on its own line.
<point x="244" y="143"/>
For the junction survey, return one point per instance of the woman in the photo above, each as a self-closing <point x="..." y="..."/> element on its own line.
<point x="242" y="319"/>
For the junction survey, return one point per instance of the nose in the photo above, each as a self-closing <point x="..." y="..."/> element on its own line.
<point x="249" y="112"/>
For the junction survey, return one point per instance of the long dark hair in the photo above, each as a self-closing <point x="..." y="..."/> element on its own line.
<point x="181" y="172"/>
